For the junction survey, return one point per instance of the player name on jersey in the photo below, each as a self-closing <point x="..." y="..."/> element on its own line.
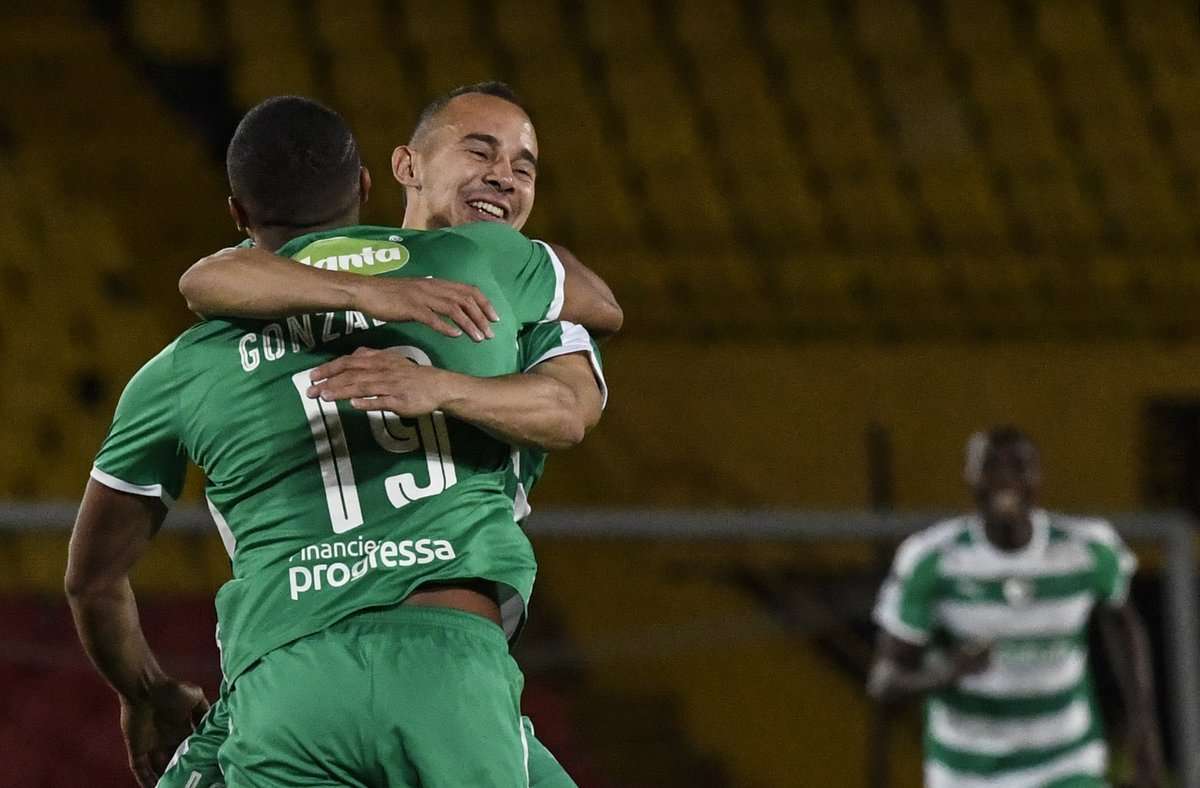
<point x="299" y="334"/>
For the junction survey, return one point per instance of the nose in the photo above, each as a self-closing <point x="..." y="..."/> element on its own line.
<point x="500" y="176"/>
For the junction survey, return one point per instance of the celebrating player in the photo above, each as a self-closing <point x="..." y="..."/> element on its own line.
<point x="330" y="516"/>
<point x="987" y="615"/>
<point x="228" y="282"/>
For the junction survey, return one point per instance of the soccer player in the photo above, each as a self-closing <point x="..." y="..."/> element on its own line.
<point x="330" y="515"/>
<point x="987" y="616"/>
<point x="561" y="350"/>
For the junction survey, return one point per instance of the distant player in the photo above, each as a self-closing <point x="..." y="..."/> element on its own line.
<point x="488" y="116"/>
<point x="331" y="516"/>
<point x="987" y="616"/>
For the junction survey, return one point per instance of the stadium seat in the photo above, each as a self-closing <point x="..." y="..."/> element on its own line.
<point x="799" y="29"/>
<point x="348" y="26"/>
<point x="181" y="31"/>
<point x="261" y="74"/>
<point x="688" y="209"/>
<point x="450" y="67"/>
<point x="871" y="208"/>
<point x="1168" y="26"/>
<point x="658" y="119"/>
<point x="441" y="24"/>
<point x="747" y="115"/>
<point x="1139" y="193"/>
<point x="960" y="197"/>
<point x="886" y="28"/>
<point x="264" y="25"/>
<point x="840" y="129"/>
<point x="1019" y="120"/>
<point x="531" y="26"/>
<point x="1050" y="200"/>
<point x="1070" y="26"/>
<point x="613" y="28"/>
<point x="928" y="116"/>
<point x="712" y="28"/>
<point x="982" y="29"/>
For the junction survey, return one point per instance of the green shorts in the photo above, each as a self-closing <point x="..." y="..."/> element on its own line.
<point x="398" y="697"/>
<point x="195" y="763"/>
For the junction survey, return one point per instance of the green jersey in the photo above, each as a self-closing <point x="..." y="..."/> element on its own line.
<point x="1031" y="717"/>
<point x="326" y="510"/>
<point x="539" y="343"/>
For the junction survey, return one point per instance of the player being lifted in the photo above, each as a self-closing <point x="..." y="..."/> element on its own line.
<point x="987" y="616"/>
<point x="330" y="515"/>
<point x="557" y="349"/>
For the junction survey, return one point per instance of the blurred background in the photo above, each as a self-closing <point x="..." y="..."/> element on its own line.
<point x="845" y="233"/>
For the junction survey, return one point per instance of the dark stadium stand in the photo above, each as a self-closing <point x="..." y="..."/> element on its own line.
<point x="946" y="172"/>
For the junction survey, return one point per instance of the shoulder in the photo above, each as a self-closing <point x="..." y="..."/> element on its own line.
<point x="1099" y="537"/>
<point x="491" y="234"/>
<point x="1086" y="530"/>
<point x="929" y="544"/>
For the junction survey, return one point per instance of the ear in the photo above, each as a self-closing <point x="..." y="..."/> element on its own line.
<point x="364" y="185"/>
<point x="237" y="212"/>
<point x="404" y="167"/>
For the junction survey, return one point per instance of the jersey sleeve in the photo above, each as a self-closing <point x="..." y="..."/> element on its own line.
<point x="1115" y="563"/>
<point x="143" y="453"/>
<point x="907" y="600"/>
<point x="528" y="272"/>
<point x="544" y="341"/>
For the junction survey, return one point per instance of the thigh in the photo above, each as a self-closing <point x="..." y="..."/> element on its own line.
<point x="544" y="769"/>
<point x="195" y="762"/>
<point x="448" y="707"/>
<point x="296" y="718"/>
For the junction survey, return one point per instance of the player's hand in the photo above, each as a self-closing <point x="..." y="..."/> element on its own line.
<point x="1148" y="763"/>
<point x="428" y="301"/>
<point x="971" y="658"/>
<point x="155" y="727"/>
<point x="380" y="380"/>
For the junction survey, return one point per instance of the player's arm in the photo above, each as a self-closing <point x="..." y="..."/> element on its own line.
<point x="551" y="407"/>
<point x="254" y="283"/>
<point x="1128" y="648"/>
<point x="587" y="299"/>
<point x="901" y="670"/>
<point x="111" y="533"/>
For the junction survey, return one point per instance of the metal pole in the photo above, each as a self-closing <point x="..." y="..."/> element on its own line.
<point x="1183" y="652"/>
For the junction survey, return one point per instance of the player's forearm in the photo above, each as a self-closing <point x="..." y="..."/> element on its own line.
<point x="588" y="300"/>
<point x="257" y="284"/>
<point x="1129" y="650"/>
<point x="891" y="683"/>
<point x="524" y="409"/>
<point x="106" y="618"/>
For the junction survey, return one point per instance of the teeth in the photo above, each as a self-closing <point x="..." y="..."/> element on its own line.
<point x="487" y="207"/>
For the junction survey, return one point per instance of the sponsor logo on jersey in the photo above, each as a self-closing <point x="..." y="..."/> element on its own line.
<point x="372" y="556"/>
<point x="1018" y="591"/>
<point x="351" y="254"/>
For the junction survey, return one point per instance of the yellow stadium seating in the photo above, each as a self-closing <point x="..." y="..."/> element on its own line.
<point x="1070" y="26"/>
<point x="350" y="26"/>
<point x="182" y="30"/>
<point x="799" y="29"/>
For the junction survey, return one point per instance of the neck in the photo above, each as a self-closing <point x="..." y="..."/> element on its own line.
<point x="273" y="238"/>
<point x="1008" y="534"/>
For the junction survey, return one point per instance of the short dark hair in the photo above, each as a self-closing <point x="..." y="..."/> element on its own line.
<point x="1008" y="435"/>
<point x="980" y="443"/>
<point x="500" y="90"/>
<point x="293" y="163"/>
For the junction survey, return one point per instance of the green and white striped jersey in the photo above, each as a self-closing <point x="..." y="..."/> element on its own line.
<point x="1031" y="718"/>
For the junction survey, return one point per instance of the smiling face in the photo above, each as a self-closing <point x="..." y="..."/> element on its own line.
<point x="476" y="160"/>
